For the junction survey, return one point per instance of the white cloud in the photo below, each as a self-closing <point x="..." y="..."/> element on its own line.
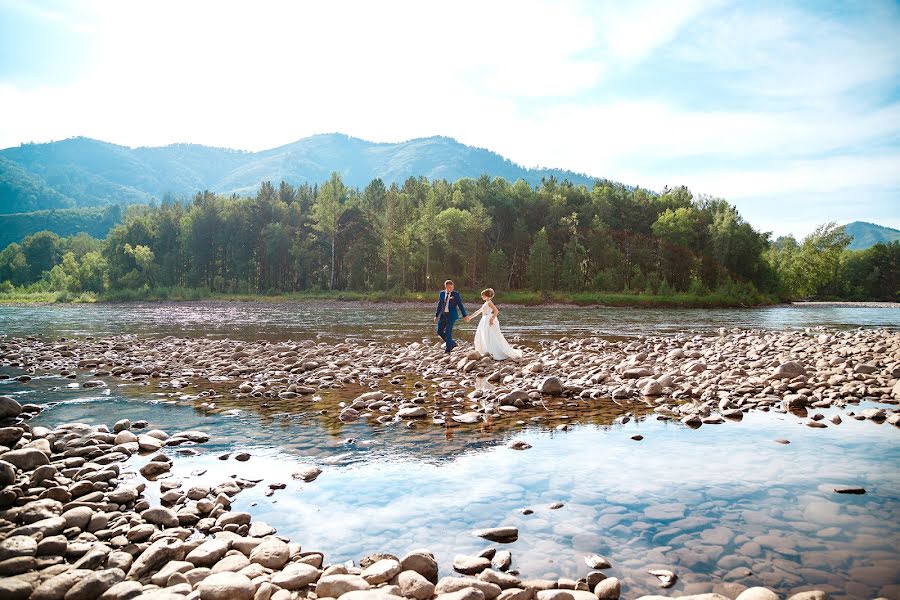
<point x="802" y="107"/>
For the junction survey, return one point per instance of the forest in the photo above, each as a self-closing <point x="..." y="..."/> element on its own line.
<point x="553" y="237"/>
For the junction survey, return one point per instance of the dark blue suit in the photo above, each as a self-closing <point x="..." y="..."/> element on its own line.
<point x="447" y="319"/>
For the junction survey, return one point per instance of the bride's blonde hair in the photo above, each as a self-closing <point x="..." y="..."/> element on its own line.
<point x="489" y="292"/>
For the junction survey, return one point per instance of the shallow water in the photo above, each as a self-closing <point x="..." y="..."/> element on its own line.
<point x="264" y="320"/>
<point x="705" y="503"/>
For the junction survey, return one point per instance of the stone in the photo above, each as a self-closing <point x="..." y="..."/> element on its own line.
<point x="381" y="571"/>
<point x="295" y="576"/>
<point x="757" y="593"/>
<point x="124" y="590"/>
<point x="226" y="586"/>
<point x="470" y="565"/>
<point x="78" y="517"/>
<point x="91" y="586"/>
<point x="7" y="473"/>
<point x="595" y="561"/>
<point x="273" y="553"/>
<point x="45" y="527"/>
<point x="335" y="586"/>
<point x="502" y="535"/>
<point x="155" y="556"/>
<point x="231" y="562"/>
<point x="413" y="585"/>
<point x="422" y="562"/>
<point x="850" y="490"/>
<point x="307" y="473"/>
<point x="652" y="388"/>
<point x="154" y="469"/>
<point x="56" y="587"/>
<point x="666" y="578"/>
<point x="809" y="595"/>
<point x="608" y="589"/>
<point x="455" y="584"/>
<point x="551" y="386"/>
<point x="10" y="435"/>
<point x="467" y="593"/>
<point x="9" y="408"/>
<point x="14" y="588"/>
<point x="16" y="546"/>
<point x="26" y="459"/>
<point x="412" y="412"/>
<point x="789" y="370"/>
<point x="519" y="445"/>
<point x="160" y="515"/>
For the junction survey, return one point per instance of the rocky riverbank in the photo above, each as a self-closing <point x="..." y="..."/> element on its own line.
<point x="78" y="519"/>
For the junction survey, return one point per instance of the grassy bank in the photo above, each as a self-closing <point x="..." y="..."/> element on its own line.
<point x="525" y="298"/>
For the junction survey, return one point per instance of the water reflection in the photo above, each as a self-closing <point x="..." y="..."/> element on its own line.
<point x="721" y="502"/>
<point x="264" y="320"/>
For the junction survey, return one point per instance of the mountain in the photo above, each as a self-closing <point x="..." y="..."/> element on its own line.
<point x="865" y="235"/>
<point x="81" y="172"/>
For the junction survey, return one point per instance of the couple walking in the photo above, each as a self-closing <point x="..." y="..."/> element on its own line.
<point x="488" y="337"/>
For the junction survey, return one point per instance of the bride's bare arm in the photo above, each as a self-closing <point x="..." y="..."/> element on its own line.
<point x="476" y="313"/>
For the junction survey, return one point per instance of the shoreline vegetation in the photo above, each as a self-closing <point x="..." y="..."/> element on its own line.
<point x="515" y="298"/>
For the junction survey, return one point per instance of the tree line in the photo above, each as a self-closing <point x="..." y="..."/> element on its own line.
<point x="555" y="236"/>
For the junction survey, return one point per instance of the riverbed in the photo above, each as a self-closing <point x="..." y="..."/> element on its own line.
<point x="720" y="503"/>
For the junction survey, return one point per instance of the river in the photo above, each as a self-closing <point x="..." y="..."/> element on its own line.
<point x="720" y="503"/>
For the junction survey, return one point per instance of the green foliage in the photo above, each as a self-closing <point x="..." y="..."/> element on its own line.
<point x="94" y="222"/>
<point x="559" y="239"/>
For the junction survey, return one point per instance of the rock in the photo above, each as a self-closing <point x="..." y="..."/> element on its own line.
<point x="272" y="553"/>
<point x="154" y="469"/>
<point x="54" y="545"/>
<point x="666" y="578"/>
<point x="16" y="546"/>
<point x="519" y="445"/>
<point x="788" y="370"/>
<point x="56" y="587"/>
<point x="757" y="593"/>
<point x="335" y="586"/>
<point x="9" y="408"/>
<point x="467" y="593"/>
<point x="208" y="553"/>
<point x="502" y="560"/>
<point x="44" y="527"/>
<point x="78" y="517"/>
<point x="160" y="515"/>
<point x="155" y="556"/>
<point x="422" y="562"/>
<point x="551" y="386"/>
<point x="470" y="565"/>
<point x="295" y="576"/>
<point x="231" y="562"/>
<point x="226" y="586"/>
<point x="382" y="593"/>
<point x="26" y="459"/>
<point x="608" y="589"/>
<point x="595" y="561"/>
<point x="124" y="590"/>
<point x="233" y="518"/>
<point x="412" y="412"/>
<point x="455" y="584"/>
<point x="381" y="571"/>
<point x="850" y="490"/>
<point x="307" y="473"/>
<point x="516" y="594"/>
<point x="652" y="388"/>
<point x="413" y="585"/>
<point x="502" y="535"/>
<point x="10" y="435"/>
<point x="260" y="529"/>
<point x="810" y="595"/>
<point x="7" y="473"/>
<point x="468" y="418"/>
<point x="14" y="588"/>
<point x="90" y="587"/>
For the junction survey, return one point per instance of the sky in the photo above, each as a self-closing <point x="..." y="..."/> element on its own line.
<point x="789" y="110"/>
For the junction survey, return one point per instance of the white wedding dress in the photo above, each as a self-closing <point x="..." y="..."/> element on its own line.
<point x="489" y="339"/>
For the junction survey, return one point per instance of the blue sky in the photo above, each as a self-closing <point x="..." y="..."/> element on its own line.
<point x="790" y="110"/>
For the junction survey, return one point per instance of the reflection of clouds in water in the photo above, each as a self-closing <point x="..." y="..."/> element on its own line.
<point x="621" y="497"/>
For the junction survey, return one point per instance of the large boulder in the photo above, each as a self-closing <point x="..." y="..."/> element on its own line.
<point x="551" y="386"/>
<point x="9" y="408"/>
<point x="272" y="553"/>
<point x="226" y="586"/>
<point x="295" y="576"/>
<point x="26" y="459"/>
<point x="789" y="370"/>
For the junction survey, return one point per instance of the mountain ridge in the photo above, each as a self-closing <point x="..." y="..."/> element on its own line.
<point x="83" y="172"/>
<point x="865" y="235"/>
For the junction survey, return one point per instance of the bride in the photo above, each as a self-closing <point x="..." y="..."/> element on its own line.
<point x="488" y="337"/>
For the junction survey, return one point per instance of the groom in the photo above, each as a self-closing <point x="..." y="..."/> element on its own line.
<point x="445" y="315"/>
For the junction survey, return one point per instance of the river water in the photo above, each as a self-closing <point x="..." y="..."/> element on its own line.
<point x="720" y="503"/>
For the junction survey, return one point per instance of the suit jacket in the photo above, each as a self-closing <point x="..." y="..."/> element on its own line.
<point x="455" y="301"/>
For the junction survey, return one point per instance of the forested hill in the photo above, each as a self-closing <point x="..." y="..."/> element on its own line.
<point x="81" y="172"/>
<point x="865" y="235"/>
